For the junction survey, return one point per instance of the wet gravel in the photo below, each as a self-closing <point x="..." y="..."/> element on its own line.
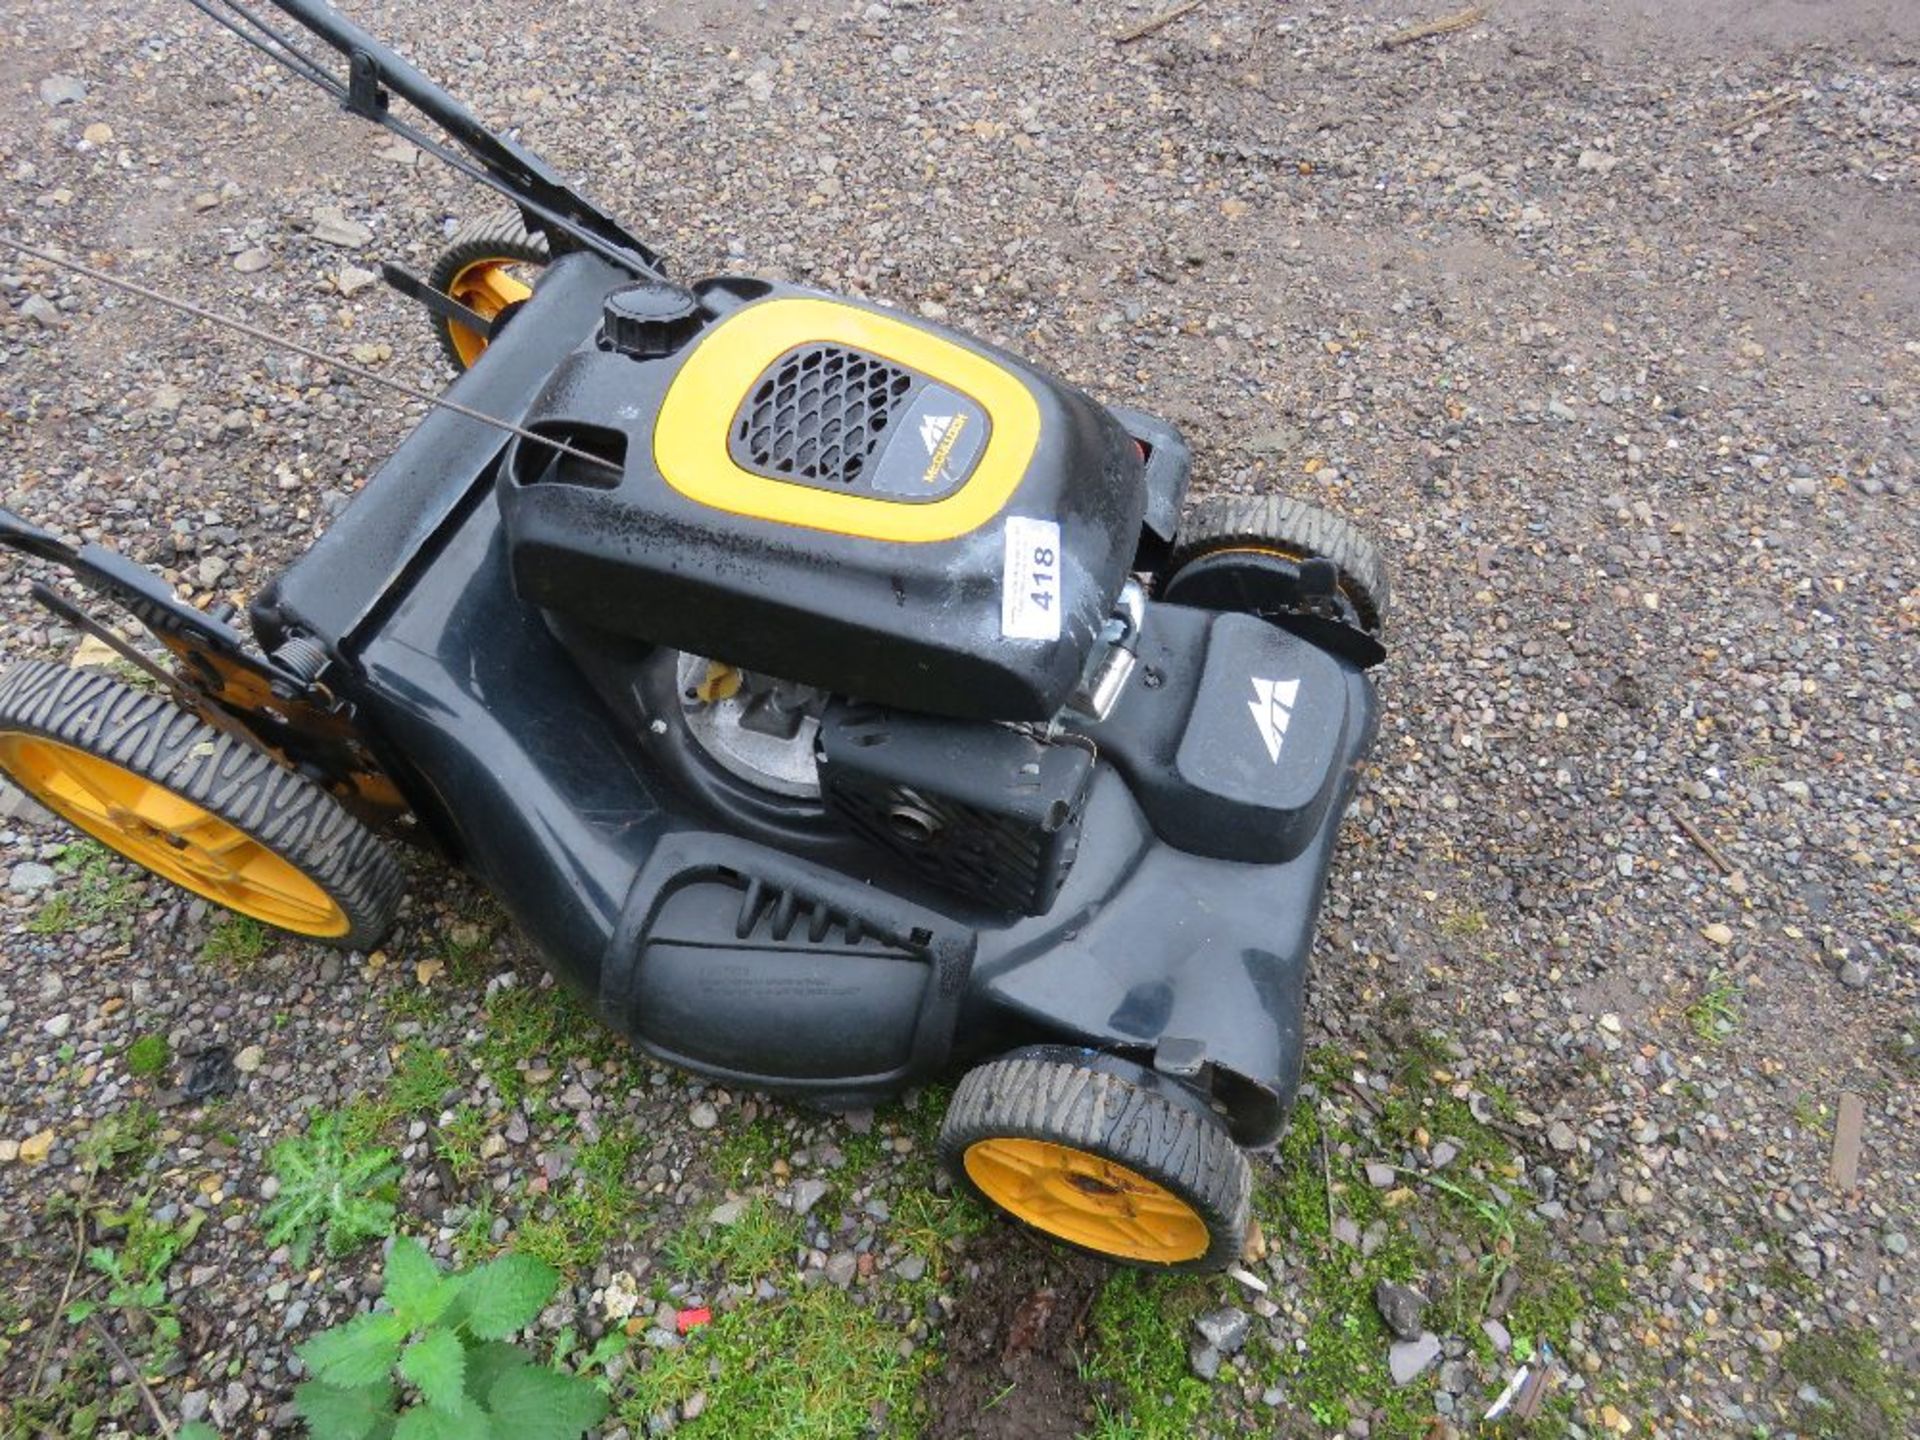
<point x="1607" y="325"/>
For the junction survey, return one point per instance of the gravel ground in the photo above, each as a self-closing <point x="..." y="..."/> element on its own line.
<point x="1606" y="324"/>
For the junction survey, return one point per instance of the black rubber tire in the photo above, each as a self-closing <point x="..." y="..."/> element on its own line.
<point x="1097" y="1108"/>
<point x="148" y="734"/>
<point x="1227" y="522"/>
<point x="493" y="237"/>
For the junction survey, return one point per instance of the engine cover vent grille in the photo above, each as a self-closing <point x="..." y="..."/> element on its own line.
<point x="818" y="414"/>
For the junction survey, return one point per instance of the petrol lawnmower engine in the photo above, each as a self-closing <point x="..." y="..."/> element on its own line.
<point x="806" y="492"/>
<point x="885" y="567"/>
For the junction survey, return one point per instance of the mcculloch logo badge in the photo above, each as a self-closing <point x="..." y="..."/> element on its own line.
<point x="1272" y="707"/>
<point x="940" y="433"/>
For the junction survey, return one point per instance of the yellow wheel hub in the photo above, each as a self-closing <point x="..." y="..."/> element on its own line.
<point x="1087" y="1200"/>
<point x="170" y="835"/>
<point x="485" y="287"/>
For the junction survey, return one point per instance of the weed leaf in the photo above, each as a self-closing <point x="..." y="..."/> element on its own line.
<point x="106" y="1262"/>
<point x="424" y="1423"/>
<point x="331" y="1188"/>
<point x="415" y="1288"/>
<point x="360" y="1352"/>
<point x="488" y="1361"/>
<point x="530" y="1403"/>
<point x="437" y="1365"/>
<point x="333" y="1413"/>
<point x="505" y="1295"/>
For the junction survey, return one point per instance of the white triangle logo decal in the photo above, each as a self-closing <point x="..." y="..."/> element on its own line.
<point x="1272" y="707"/>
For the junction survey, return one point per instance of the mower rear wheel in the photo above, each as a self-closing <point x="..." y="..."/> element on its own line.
<point x="194" y="806"/>
<point x="489" y="267"/>
<point x="1223" y="557"/>
<point x="1103" y="1156"/>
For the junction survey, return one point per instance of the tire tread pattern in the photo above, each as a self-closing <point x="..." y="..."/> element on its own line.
<point x="150" y="735"/>
<point x="1103" y="1113"/>
<point x="501" y="236"/>
<point x="1221" y="522"/>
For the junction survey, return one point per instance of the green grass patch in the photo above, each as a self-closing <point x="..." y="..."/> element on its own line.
<point x="1342" y="1370"/>
<point x="55" y="917"/>
<point x="1419" y="1227"/>
<point x="418" y="1003"/>
<point x="863" y="1154"/>
<point x="460" y="1140"/>
<point x="934" y="1226"/>
<point x="1861" y="1397"/>
<point x="917" y="1123"/>
<point x="1137" y="1335"/>
<point x="746" y="1152"/>
<point x="422" y="1078"/>
<point x="465" y="945"/>
<point x="761" y="1241"/>
<point x="816" y="1365"/>
<point x="474" y="1240"/>
<point x="235" y="940"/>
<point x="596" y="1204"/>
<point x="1715" y="1012"/>
<point x="522" y="1024"/>
<point x="148" y="1056"/>
<point x="106" y="890"/>
<point x="364" y="1120"/>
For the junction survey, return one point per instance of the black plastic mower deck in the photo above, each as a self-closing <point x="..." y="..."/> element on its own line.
<point x="843" y="980"/>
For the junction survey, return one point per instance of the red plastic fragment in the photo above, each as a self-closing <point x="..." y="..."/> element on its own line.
<point x="692" y="1319"/>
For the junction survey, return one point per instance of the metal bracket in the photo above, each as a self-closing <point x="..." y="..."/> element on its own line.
<point x="365" y="97"/>
<point x="190" y="699"/>
<point x="261" y="701"/>
<point x="440" y="303"/>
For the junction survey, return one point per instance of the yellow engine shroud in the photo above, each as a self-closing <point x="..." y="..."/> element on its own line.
<point x="835" y="494"/>
<point x="691" y="441"/>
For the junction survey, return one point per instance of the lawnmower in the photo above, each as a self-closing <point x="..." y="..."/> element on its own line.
<point x="837" y="703"/>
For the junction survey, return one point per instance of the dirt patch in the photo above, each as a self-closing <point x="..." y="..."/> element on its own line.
<point x="1012" y="1365"/>
<point x="1716" y="27"/>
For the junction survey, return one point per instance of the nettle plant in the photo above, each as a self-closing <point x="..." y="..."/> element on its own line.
<point x="433" y="1362"/>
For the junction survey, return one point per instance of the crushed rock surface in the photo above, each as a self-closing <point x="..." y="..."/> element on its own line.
<point x="1606" y="324"/>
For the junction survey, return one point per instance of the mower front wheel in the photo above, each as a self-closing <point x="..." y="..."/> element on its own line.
<point x="1103" y="1155"/>
<point x="1239" y="552"/>
<point x="194" y="806"/>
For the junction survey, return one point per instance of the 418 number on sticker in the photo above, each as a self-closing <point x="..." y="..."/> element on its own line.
<point x="1030" y="580"/>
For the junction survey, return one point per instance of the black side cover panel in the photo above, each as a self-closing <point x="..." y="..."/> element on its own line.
<point x="987" y="811"/>
<point x="739" y="961"/>
<point x="1230" y="734"/>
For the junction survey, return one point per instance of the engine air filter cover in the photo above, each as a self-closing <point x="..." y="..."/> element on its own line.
<point x="991" y="812"/>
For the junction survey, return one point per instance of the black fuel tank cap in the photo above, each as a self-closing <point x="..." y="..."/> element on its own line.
<point x="650" y="318"/>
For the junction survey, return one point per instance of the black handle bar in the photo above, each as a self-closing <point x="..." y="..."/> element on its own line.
<point x="375" y="74"/>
